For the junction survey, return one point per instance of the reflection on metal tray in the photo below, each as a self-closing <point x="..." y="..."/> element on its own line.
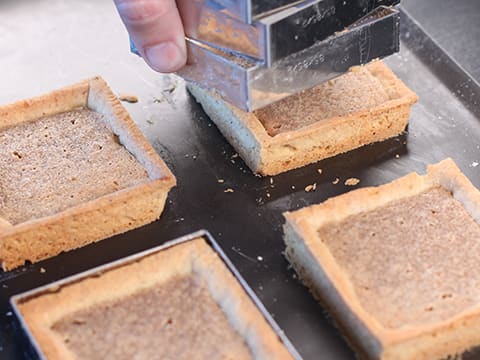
<point x="247" y="223"/>
<point x="55" y="286"/>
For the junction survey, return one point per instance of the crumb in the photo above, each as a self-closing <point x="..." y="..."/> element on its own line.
<point x="170" y="89"/>
<point x="42" y="270"/>
<point x="128" y="98"/>
<point x="234" y="156"/>
<point x="474" y="164"/>
<point x="336" y="181"/>
<point x="194" y="157"/>
<point x="397" y="156"/>
<point x="8" y="313"/>
<point x="312" y="187"/>
<point x="268" y="195"/>
<point x="352" y="182"/>
<point x="229" y="190"/>
<point x="293" y="187"/>
<point x="320" y="171"/>
<point x="271" y="180"/>
<point x="150" y="122"/>
<point x="259" y="258"/>
<point x="220" y="181"/>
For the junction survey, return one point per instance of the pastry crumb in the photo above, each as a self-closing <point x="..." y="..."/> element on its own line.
<point x="320" y="171"/>
<point x="397" y="156"/>
<point x="229" y="190"/>
<point x="352" y="182"/>
<point x="128" y="98"/>
<point x="42" y="270"/>
<point x="312" y="187"/>
<point x="336" y="181"/>
<point x="220" y="181"/>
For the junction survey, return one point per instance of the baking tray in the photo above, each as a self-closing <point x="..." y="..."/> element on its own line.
<point x="248" y="222"/>
<point x="16" y="300"/>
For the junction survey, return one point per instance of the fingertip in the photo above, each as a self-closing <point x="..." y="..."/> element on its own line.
<point x="166" y="57"/>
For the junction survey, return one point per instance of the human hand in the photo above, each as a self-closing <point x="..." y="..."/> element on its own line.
<point x="156" y="29"/>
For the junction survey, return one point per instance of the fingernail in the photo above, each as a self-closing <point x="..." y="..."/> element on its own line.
<point x="165" y="57"/>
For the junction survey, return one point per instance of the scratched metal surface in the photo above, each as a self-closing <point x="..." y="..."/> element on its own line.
<point x="45" y="44"/>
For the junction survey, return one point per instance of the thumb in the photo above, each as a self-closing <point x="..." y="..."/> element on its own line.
<point x="156" y="29"/>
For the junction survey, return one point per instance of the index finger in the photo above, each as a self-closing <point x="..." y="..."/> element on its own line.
<point x="156" y="29"/>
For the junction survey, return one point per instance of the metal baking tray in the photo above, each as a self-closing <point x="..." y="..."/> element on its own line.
<point x="16" y="300"/>
<point x="247" y="223"/>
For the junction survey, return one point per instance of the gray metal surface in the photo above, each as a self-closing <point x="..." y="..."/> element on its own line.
<point x="455" y="25"/>
<point x="46" y="44"/>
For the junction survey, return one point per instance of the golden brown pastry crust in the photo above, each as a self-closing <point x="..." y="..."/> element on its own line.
<point x="194" y="258"/>
<point x="319" y="270"/>
<point x="106" y="216"/>
<point x="271" y="155"/>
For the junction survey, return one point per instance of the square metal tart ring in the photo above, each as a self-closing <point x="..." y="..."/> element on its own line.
<point x="250" y="10"/>
<point x="249" y="85"/>
<point x="276" y="35"/>
<point x="17" y="300"/>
